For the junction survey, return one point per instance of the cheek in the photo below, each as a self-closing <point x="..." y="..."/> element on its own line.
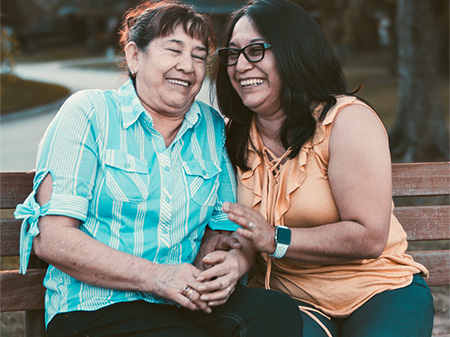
<point x="201" y="71"/>
<point x="276" y="83"/>
<point x="233" y="81"/>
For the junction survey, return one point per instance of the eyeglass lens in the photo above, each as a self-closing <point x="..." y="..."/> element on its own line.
<point x="253" y="53"/>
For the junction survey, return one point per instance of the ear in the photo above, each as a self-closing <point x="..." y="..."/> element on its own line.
<point x="132" y="56"/>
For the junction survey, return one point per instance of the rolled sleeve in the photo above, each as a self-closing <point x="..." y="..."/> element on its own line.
<point x="226" y="192"/>
<point x="72" y="206"/>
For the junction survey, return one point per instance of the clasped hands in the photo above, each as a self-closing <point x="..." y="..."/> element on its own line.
<point x="218" y="266"/>
<point x="209" y="282"/>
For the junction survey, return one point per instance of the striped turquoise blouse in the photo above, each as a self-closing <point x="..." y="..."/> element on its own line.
<point x="112" y="171"/>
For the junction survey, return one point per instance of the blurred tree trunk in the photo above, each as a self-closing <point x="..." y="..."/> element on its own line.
<point x="420" y="132"/>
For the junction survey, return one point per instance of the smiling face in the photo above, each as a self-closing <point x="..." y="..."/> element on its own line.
<point x="258" y="84"/>
<point x="169" y="73"/>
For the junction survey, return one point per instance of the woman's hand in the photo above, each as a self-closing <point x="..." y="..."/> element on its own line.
<point x="220" y="279"/>
<point x="178" y="283"/>
<point x="213" y="241"/>
<point x="254" y="226"/>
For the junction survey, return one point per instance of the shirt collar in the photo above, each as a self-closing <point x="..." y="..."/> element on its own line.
<point x="132" y="108"/>
<point x="130" y="104"/>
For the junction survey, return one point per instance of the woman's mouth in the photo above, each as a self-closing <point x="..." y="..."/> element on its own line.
<point x="178" y="82"/>
<point x="251" y="82"/>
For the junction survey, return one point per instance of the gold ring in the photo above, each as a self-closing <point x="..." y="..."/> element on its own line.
<point x="187" y="292"/>
<point x="251" y="226"/>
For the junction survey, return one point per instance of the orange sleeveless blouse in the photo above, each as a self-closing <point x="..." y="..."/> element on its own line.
<point x="297" y="193"/>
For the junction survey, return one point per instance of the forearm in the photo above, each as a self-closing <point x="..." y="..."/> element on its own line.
<point x="92" y="262"/>
<point x="336" y="242"/>
<point x="362" y="238"/>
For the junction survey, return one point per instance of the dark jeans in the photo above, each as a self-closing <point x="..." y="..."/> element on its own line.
<point x="404" y="312"/>
<point x="248" y="312"/>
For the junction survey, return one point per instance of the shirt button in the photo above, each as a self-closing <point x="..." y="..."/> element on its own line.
<point x="127" y="165"/>
<point x="167" y="168"/>
<point x="204" y="172"/>
<point x="168" y="199"/>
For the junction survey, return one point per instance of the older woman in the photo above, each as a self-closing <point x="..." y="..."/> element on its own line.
<point x="314" y="180"/>
<point x="126" y="184"/>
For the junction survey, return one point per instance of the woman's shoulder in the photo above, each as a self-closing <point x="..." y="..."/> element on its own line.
<point x="347" y="103"/>
<point x="90" y="104"/>
<point x="353" y="116"/>
<point x="90" y="97"/>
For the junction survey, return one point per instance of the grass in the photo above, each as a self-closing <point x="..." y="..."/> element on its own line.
<point x="19" y="94"/>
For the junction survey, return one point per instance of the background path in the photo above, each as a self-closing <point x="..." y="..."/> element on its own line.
<point x="21" y="132"/>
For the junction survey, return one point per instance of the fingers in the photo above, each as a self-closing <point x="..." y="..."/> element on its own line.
<point x="177" y="283"/>
<point x="218" y="269"/>
<point x="191" y="299"/>
<point x="253" y="226"/>
<point x="243" y="216"/>
<point x="219" y="297"/>
<point x="221" y="276"/>
<point x="214" y="258"/>
<point x="218" y="282"/>
<point x="227" y="242"/>
<point x="216" y="242"/>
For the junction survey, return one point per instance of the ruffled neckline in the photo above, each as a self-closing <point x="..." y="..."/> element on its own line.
<point x="292" y="173"/>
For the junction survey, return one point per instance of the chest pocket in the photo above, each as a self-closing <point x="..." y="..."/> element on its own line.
<point x="126" y="177"/>
<point x="203" y="181"/>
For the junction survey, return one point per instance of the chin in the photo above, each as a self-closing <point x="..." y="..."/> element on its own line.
<point x="251" y="104"/>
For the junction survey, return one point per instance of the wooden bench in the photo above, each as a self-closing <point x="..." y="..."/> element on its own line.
<point x="422" y="223"/>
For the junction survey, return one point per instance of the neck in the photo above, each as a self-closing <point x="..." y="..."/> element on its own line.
<point x="269" y="130"/>
<point x="166" y="124"/>
<point x="168" y="127"/>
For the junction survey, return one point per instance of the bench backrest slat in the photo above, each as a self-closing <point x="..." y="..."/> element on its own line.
<point x="437" y="262"/>
<point x="434" y="179"/>
<point x="425" y="222"/>
<point x="22" y="292"/>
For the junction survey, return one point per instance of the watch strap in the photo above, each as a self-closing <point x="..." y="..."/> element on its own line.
<point x="280" y="251"/>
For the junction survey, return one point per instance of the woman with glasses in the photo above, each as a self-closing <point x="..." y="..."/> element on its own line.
<point x="314" y="180"/>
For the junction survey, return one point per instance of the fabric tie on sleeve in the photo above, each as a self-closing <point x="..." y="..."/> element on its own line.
<point x="30" y="211"/>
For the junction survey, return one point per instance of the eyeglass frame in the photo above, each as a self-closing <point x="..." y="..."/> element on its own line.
<point x="240" y="51"/>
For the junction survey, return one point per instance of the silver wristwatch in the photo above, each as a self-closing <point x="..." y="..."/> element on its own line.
<point x="283" y="240"/>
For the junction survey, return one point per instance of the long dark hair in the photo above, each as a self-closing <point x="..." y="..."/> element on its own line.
<point x="308" y="68"/>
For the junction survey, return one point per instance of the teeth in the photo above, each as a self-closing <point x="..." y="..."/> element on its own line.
<point x="253" y="81"/>
<point x="179" y="82"/>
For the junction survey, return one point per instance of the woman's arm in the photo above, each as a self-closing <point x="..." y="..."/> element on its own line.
<point x="359" y="174"/>
<point x="64" y="246"/>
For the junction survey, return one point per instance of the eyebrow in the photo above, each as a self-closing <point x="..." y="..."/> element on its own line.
<point x="181" y="43"/>
<point x="259" y="39"/>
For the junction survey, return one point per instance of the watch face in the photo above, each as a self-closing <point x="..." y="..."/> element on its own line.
<point x="283" y="235"/>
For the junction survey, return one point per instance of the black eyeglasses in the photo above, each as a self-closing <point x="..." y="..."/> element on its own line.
<point x="253" y="53"/>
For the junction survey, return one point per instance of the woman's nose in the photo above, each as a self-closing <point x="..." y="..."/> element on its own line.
<point x="185" y="63"/>
<point x="242" y="63"/>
